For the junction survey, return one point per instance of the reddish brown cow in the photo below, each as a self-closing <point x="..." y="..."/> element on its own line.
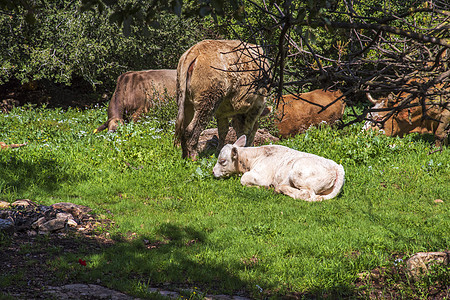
<point x="295" y="115"/>
<point x="412" y="119"/>
<point x="136" y="93"/>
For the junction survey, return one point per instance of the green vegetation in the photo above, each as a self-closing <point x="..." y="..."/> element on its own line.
<point x="65" y="43"/>
<point x="173" y="222"/>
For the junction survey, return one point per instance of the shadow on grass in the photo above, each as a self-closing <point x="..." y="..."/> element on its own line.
<point x="133" y="265"/>
<point x="21" y="176"/>
<point x="172" y="258"/>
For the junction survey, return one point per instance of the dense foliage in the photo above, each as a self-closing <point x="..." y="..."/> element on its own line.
<point x="65" y="42"/>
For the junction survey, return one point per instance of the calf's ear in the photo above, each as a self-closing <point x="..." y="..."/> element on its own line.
<point x="234" y="153"/>
<point x="240" y="141"/>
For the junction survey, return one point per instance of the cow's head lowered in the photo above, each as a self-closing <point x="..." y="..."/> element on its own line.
<point x="227" y="163"/>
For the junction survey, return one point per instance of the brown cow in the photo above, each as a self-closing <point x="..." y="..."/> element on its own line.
<point x="136" y="93"/>
<point x="222" y="77"/>
<point x="295" y="115"/>
<point x="411" y="119"/>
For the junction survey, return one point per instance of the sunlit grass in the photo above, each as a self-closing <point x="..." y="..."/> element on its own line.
<point x="175" y="223"/>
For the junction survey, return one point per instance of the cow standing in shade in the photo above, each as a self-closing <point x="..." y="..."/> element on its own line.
<point x="136" y="93"/>
<point x="222" y="78"/>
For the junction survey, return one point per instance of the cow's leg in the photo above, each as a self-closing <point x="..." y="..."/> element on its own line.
<point x="222" y="128"/>
<point x="188" y="115"/>
<point x="443" y="130"/>
<point x="201" y="118"/>
<point x="248" y="123"/>
<point x="137" y="114"/>
<point x="240" y="126"/>
<point x="113" y="123"/>
<point x="301" y="193"/>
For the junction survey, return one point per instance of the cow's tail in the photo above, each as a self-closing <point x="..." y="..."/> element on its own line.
<point x="338" y="183"/>
<point x="184" y="72"/>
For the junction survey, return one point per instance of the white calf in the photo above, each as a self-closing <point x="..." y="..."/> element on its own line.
<point x="297" y="174"/>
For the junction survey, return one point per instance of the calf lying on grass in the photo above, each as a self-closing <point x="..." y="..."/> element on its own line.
<point x="297" y="174"/>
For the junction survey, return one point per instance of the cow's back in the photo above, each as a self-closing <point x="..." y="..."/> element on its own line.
<point x="222" y="67"/>
<point x="141" y="89"/>
<point x="295" y="115"/>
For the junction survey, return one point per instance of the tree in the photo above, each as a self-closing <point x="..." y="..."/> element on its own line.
<point x="61" y="41"/>
<point x="356" y="46"/>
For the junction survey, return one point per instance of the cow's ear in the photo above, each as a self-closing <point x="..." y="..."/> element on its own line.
<point x="240" y="141"/>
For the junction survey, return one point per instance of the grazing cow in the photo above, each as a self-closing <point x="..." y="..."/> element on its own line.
<point x="3" y="145"/>
<point x="224" y="78"/>
<point x="297" y="174"/>
<point x="136" y="93"/>
<point x="296" y="113"/>
<point x="411" y="119"/>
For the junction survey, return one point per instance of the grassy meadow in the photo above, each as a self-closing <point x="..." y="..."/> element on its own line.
<point x="175" y="223"/>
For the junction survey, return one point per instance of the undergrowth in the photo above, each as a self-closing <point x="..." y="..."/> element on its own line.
<point x="176" y="223"/>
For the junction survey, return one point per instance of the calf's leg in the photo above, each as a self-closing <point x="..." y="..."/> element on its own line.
<point x="298" y="193"/>
<point x="252" y="178"/>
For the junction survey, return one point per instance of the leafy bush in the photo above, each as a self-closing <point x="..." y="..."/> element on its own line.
<point x="65" y="43"/>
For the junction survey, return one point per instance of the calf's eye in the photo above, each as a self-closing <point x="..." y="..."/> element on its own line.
<point x="222" y="161"/>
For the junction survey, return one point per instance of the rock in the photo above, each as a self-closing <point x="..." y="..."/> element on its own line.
<point x="64" y="216"/>
<point x="208" y="138"/>
<point x="24" y="202"/>
<point x="38" y="223"/>
<point x="86" y="291"/>
<point x="52" y="225"/>
<point x="74" y="209"/>
<point x="71" y="223"/>
<point x="418" y="264"/>
<point x="6" y="226"/>
<point x="4" y="204"/>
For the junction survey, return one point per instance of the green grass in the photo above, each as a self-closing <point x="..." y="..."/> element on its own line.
<point x="175" y="223"/>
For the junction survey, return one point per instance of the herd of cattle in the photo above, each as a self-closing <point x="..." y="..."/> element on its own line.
<point x="229" y="79"/>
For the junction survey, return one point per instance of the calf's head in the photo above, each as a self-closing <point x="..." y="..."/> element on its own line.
<point x="227" y="163"/>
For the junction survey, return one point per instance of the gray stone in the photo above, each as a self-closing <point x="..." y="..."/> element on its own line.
<point x="73" y="209"/>
<point x="38" y="223"/>
<point x="208" y="138"/>
<point x="418" y="264"/>
<point x="86" y="291"/>
<point x="64" y="216"/>
<point x="52" y="225"/>
<point x="6" y="226"/>
<point x="24" y="203"/>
